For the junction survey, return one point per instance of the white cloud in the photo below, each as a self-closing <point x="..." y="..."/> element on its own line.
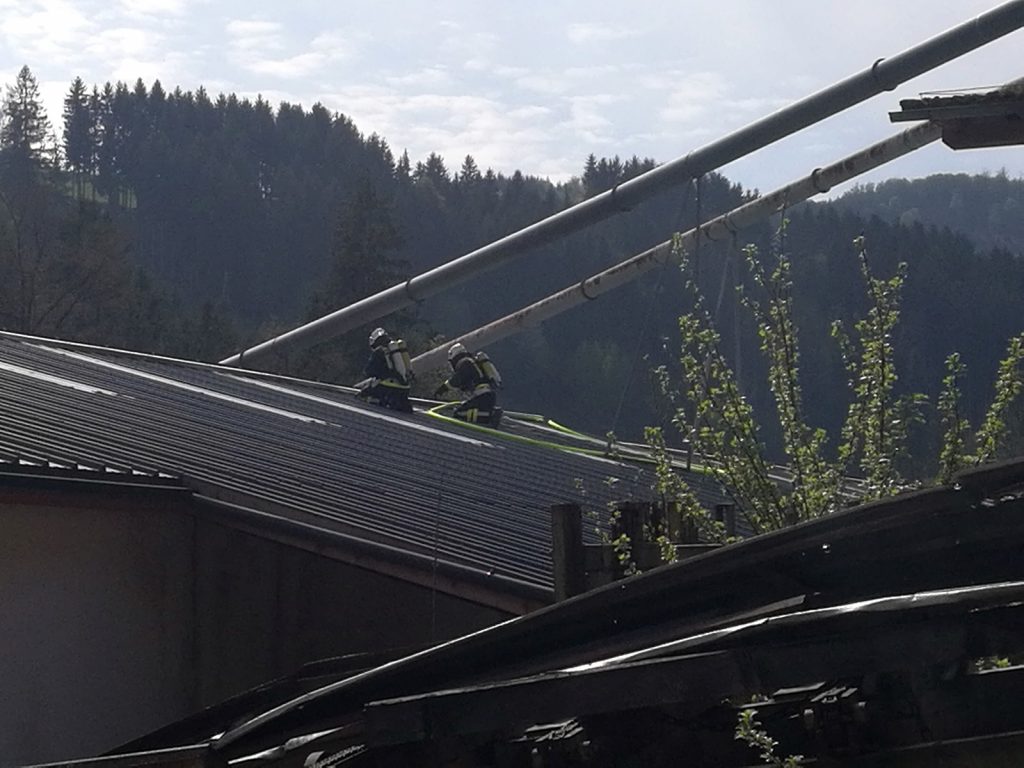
<point x="460" y="44"/>
<point x="129" y="69"/>
<point x="589" y="119"/>
<point x="254" y="35"/>
<point x="507" y="71"/>
<point x="148" y="9"/>
<point x="580" y="34"/>
<point x="253" y="40"/>
<point x="431" y="77"/>
<point x="530" y="112"/>
<point x="291" y="67"/>
<point x="498" y="135"/>
<point x="545" y="83"/>
<point x="125" y="43"/>
<point x="694" y="98"/>
<point x="50" y="30"/>
<point x="569" y="80"/>
<point x="595" y="72"/>
<point x="332" y="43"/>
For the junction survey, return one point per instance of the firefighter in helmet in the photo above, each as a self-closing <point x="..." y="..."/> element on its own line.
<point x="475" y="380"/>
<point x="388" y="372"/>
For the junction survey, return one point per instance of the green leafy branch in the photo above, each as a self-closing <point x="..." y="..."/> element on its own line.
<point x="718" y="419"/>
<point x="991" y="437"/>
<point x="816" y="481"/>
<point x="750" y="731"/>
<point x="677" y="499"/>
<point x="874" y="435"/>
<point x="993" y="431"/>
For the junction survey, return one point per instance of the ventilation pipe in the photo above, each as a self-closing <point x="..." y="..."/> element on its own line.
<point x="883" y="75"/>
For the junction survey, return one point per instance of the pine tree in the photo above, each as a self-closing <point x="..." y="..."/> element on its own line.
<point x="470" y="173"/>
<point x="434" y="170"/>
<point x="25" y="128"/>
<point x="79" y="133"/>
<point x="366" y="242"/>
<point x="403" y="169"/>
<point x="590" y="181"/>
<point x="107" y="140"/>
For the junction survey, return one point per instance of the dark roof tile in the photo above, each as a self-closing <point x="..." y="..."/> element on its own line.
<point x="305" y="447"/>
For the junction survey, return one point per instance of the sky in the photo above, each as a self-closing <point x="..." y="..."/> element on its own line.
<point x="534" y="85"/>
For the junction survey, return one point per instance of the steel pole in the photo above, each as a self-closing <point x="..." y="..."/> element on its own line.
<point x="721" y="228"/>
<point x="883" y="75"/>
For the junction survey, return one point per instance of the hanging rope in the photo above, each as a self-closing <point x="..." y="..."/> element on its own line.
<point x="737" y="344"/>
<point x="782" y="231"/>
<point x="698" y="213"/>
<point x="638" y="348"/>
<point x="725" y="279"/>
<point x="696" y="280"/>
<point x="644" y="326"/>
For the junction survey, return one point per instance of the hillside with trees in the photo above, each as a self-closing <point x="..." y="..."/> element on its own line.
<point x="987" y="209"/>
<point x="185" y="224"/>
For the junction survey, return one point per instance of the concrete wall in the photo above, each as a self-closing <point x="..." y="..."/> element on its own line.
<point x="121" y="613"/>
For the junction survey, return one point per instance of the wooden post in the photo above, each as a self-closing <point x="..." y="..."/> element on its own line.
<point x="671" y="517"/>
<point x="726" y="513"/>
<point x="632" y="516"/>
<point x="641" y="521"/>
<point x="567" y="550"/>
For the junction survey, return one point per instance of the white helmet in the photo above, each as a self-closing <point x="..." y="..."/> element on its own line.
<point x="378" y="336"/>
<point x="455" y="351"/>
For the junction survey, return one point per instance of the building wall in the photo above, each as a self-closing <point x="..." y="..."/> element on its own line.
<point x="278" y="607"/>
<point x="124" y="612"/>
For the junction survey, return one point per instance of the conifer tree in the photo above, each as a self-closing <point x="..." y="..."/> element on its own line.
<point x="470" y="172"/>
<point x="79" y="133"/>
<point x="434" y="170"/>
<point x="366" y="242"/>
<point x="403" y="169"/>
<point x="25" y="127"/>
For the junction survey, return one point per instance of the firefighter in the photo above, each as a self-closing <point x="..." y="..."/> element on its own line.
<point x="388" y="371"/>
<point x="475" y="379"/>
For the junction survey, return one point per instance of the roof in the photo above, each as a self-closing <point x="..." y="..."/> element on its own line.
<point x="997" y="101"/>
<point x="909" y="585"/>
<point x="978" y="118"/>
<point x="311" y="454"/>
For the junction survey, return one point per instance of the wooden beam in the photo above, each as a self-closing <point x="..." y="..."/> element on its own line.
<point x="195" y="756"/>
<point x="874" y="643"/>
<point x="1002" y="750"/>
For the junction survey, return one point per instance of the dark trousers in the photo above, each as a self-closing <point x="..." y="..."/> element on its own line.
<point x="396" y="398"/>
<point x="478" y="409"/>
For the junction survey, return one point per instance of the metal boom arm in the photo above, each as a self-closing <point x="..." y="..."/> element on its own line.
<point x="884" y="74"/>
<point x="720" y="228"/>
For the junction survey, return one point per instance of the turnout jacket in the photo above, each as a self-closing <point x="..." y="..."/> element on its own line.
<point x="468" y="377"/>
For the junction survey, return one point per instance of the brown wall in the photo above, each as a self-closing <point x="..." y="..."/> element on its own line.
<point x="119" y="615"/>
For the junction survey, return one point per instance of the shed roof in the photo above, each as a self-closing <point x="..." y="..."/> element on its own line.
<point x="307" y="452"/>
<point x="978" y="118"/>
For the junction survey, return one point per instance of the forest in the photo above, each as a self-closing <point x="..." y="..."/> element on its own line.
<point x="191" y="225"/>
